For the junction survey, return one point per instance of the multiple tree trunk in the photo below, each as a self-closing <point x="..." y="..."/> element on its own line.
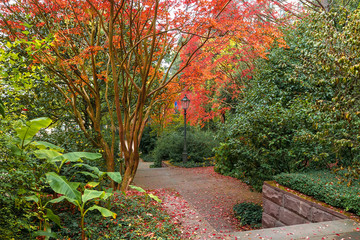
<point x="109" y="57"/>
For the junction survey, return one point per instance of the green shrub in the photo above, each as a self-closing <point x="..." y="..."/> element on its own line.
<point x="156" y="164"/>
<point x="147" y="144"/>
<point x="17" y="178"/>
<point x="263" y="140"/>
<point x="299" y="110"/>
<point x="15" y="212"/>
<point x="324" y="186"/>
<point x="147" y="158"/>
<point x="248" y="213"/>
<point x="20" y="175"/>
<point x="206" y="163"/>
<point x="171" y="144"/>
<point x="148" y="141"/>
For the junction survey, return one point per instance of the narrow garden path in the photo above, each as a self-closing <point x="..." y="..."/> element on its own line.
<point x="198" y="198"/>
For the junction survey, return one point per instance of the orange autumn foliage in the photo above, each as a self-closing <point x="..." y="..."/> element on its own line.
<point x="107" y="58"/>
<point x="217" y="75"/>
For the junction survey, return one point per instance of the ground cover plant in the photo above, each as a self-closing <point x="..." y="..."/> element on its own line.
<point x="325" y="186"/>
<point x="137" y="218"/>
<point x="248" y="213"/>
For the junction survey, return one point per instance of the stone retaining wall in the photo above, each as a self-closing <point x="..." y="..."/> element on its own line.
<point x="282" y="208"/>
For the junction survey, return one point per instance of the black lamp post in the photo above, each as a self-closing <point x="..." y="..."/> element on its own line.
<point x="185" y="102"/>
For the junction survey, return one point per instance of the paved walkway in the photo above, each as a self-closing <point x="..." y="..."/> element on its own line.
<point x="207" y="197"/>
<point x="201" y="201"/>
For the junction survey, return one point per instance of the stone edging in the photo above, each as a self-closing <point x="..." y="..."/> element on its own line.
<point x="282" y="208"/>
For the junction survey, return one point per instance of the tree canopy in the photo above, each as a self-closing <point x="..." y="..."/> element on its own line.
<point x="107" y="58"/>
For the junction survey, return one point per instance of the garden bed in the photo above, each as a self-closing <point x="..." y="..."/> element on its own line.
<point x="137" y="218"/>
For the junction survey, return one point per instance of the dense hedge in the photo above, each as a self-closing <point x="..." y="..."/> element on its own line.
<point x="324" y="186"/>
<point x="170" y="146"/>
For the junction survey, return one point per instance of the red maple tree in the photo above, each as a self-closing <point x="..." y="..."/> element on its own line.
<point x="109" y="56"/>
<point x="245" y="32"/>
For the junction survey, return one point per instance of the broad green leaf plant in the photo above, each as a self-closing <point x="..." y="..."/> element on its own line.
<point x="25" y="131"/>
<point x="148" y="196"/>
<point x="22" y="145"/>
<point x="82" y="195"/>
<point x="81" y="200"/>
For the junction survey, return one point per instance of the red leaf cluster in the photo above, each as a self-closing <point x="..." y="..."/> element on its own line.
<point x="217" y="75"/>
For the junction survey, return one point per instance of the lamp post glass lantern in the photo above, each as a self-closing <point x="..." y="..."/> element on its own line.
<point x="185" y="102"/>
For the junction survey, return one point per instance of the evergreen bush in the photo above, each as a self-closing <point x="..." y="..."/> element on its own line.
<point x="248" y="213"/>
<point x="300" y="109"/>
<point x="147" y="143"/>
<point x="171" y="144"/>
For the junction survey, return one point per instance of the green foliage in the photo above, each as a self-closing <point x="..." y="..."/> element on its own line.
<point x="207" y="162"/>
<point x="44" y="215"/>
<point x="330" y="46"/>
<point x="2" y="108"/>
<point x="69" y="192"/>
<point x="301" y="110"/>
<point x="21" y="82"/>
<point x="350" y="174"/>
<point x="170" y="146"/>
<point x="148" y="141"/>
<point x="147" y="158"/>
<point x="21" y="176"/>
<point x="264" y="137"/>
<point x="324" y="186"/>
<point x="148" y="196"/>
<point x="136" y="219"/>
<point x="58" y="159"/>
<point x="21" y="144"/>
<point x="37" y="159"/>
<point x="248" y="213"/>
<point x="15" y="211"/>
<point x="69" y="137"/>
